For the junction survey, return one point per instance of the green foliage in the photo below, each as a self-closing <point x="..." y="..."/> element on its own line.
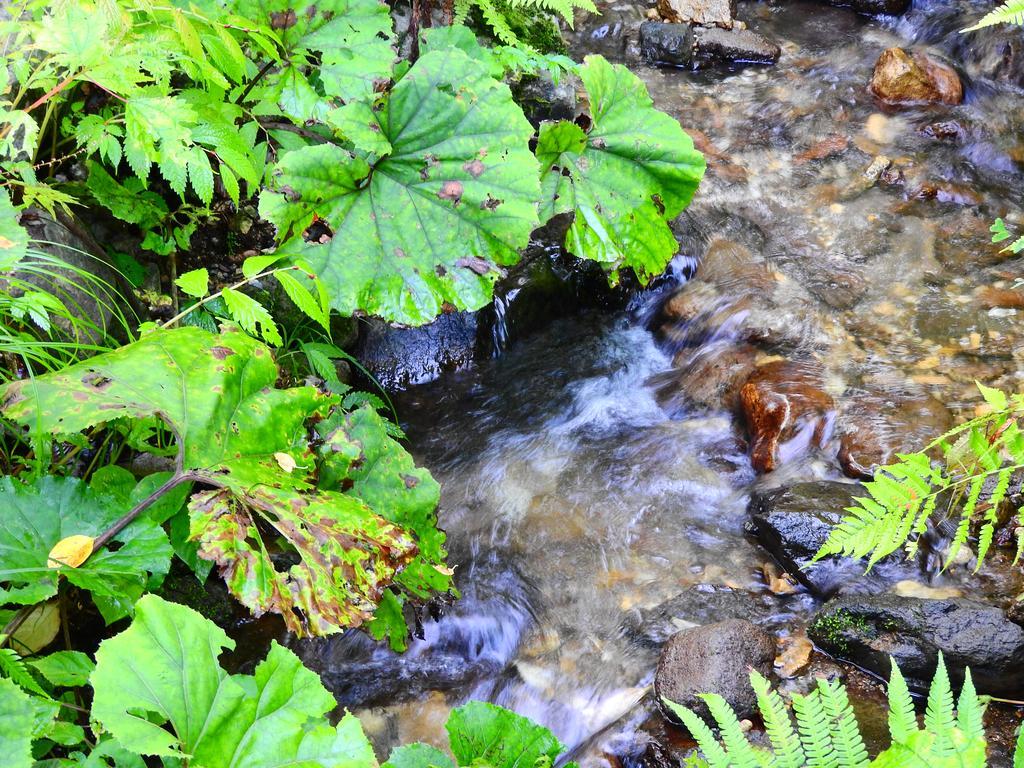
<point x="166" y="665"/>
<point x="39" y="515"/>
<point x="1011" y="12"/>
<point x="504" y="18"/>
<point x="246" y="442"/>
<point x="1000" y="234"/>
<point x="429" y="209"/>
<point x="622" y="187"/>
<point x="906" y="495"/>
<point x="829" y="736"/>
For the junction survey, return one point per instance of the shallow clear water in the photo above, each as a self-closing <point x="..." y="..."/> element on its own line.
<point x="580" y="484"/>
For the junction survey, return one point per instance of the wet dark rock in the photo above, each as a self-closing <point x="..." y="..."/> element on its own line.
<point x="911" y="78"/>
<point x="944" y="130"/>
<point x="718" y="13"/>
<point x="666" y="43"/>
<point x="786" y="410"/>
<point x="477" y="636"/>
<point x="839" y="285"/>
<point x="543" y="99"/>
<point x="713" y="45"/>
<point x="400" y="357"/>
<point x="868" y="630"/>
<point x="702" y="604"/>
<point x="876" y="426"/>
<point x="793" y="523"/>
<point x="714" y="658"/>
<point x="66" y="240"/>
<point x="874" y="7"/>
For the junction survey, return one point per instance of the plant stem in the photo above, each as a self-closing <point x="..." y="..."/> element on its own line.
<point x="213" y="296"/>
<point x="177" y="479"/>
<point x="252" y="83"/>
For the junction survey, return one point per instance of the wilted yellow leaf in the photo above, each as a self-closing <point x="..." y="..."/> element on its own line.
<point x="71" y="551"/>
<point x="38" y="630"/>
<point x="285" y="460"/>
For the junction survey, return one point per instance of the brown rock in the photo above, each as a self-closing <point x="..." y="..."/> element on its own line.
<point x="709" y="12"/>
<point x="710" y="377"/>
<point x="1007" y="298"/>
<point x="832" y="145"/>
<point x="783" y="401"/>
<point x="904" y="78"/>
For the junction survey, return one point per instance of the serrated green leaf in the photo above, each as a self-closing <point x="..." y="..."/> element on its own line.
<point x="485" y="734"/>
<point x="623" y="184"/>
<point x="39" y="515"/>
<point x="64" y="668"/>
<point x="252" y="316"/>
<point x="434" y="221"/>
<point x="195" y="283"/>
<point x="17" y="724"/>
<point x="166" y="664"/>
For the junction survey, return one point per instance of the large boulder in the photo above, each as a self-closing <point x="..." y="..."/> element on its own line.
<point x="718" y="13"/>
<point x="867" y="631"/>
<point x="703" y="604"/>
<point x="714" y="658"/>
<point x="400" y="357"/>
<point x="792" y="523"/>
<point x="912" y="78"/>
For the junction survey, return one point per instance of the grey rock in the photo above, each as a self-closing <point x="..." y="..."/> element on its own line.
<point x="713" y="45"/>
<point x="793" y="523"/>
<point x="666" y="43"/>
<point x="83" y="278"/>
<point x="543" y="99"/>
<point x="714" y="658"/>
<point x="401" y="357"/>
<point x="874" y="7"/>
<point x="712" y="12"/>
<point x="868" y="630"/>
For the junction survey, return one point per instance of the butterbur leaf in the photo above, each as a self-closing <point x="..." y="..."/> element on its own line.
<point x="39" y="516"/>
<point x="216" y="393"/>
<point x="418" y="756"/>
<point x="623" y="185"/>
<point x="484" y="734"/>
<point x="166" y="665"/>
<point x="432" y="222"/>
<point x="17" y="724"/>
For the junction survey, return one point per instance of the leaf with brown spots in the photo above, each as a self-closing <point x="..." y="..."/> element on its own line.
<point x="459" y="183"/>
<point x="247" y="442"/>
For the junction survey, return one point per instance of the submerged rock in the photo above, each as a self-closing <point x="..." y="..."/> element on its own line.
<point x="400" y="357"/>
<point x="786" y="410"/>
<point x="868" y="630"/>
<point x="793" y="523"/>
<point x="715" y="658"/>
<point x="718" y="13"/>
<point x="712" y="45"/>
<point x="910" y="78"/>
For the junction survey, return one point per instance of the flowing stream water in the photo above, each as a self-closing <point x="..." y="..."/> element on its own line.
<point x="581" y="487"/>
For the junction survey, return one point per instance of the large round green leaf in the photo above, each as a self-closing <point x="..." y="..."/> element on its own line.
<point x="623" y="178"/>
<point x="431" y="222"/>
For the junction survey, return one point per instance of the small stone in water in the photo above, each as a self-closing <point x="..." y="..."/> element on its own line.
<point x="909" y="588"/>
<point x="796" y="653"/>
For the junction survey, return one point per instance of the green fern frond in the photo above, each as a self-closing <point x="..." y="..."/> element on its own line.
<point x="902" y="716"/>
<point x="969" y="710"/>
<point x="813" y="725"/>
<point x="992" y="514"/>
<point x="705" y="738"/>
<point x="13" y="667"/>
<point x="938" y="715"/>
<point x="777" y="724"/>
<point x="1018" y="751"/>
<point x="849" y="747"/>
<point x="741" y="754"/>
<point x="1011" y="12"/>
